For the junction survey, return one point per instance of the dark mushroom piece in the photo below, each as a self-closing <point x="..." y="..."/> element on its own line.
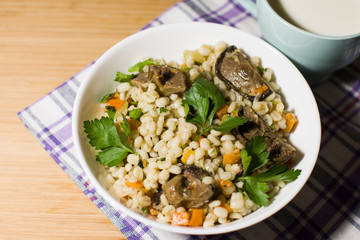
<point x="156" y="199"/>
<point x="168" y="79"/>
<point x="235" y="70"/>
<point x="187" y="189"/>
<point x="280" y="150"/>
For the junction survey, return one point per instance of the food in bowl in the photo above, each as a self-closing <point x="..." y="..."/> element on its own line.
<point x="197" y="143"/>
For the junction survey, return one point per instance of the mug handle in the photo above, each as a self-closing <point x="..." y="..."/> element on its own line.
<point x="250" y="6"/>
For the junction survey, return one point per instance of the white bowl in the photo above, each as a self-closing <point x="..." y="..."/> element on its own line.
<point x="169" y="42"/>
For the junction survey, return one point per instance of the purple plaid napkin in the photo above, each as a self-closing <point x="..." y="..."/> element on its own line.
<point x="328" y="205"/>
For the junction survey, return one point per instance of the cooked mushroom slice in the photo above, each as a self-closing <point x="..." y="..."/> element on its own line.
<point x="234" y="69"/>
<point x="168" y="79"/>
<point x="156" y="202"/>
<point x="140" y="79"/>
<point x="280" y="150"/>
<point x="187" y="189"/>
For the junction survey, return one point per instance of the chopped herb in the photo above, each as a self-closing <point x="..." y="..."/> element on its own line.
<point x="256" y="192"/>
<point x="230" y="123"/>
<point x="103" y="135"/>
<point x="221" y="165"/>
<point x="185" y="68"/>
<point x="253" y="157"/>
<point x="203" y="99"/>
<point x="262" y="70"/>
<point x="162" y="159"/>
<point x="122" y="77"/>
<point x="110" y="110"/>
<point x="138" y="67"/>
<point x="242" y="192"/>
<point x="136" y="113"/>
<point x="106" y="97"/>
<point x="163" y="110"/>
<point x="278" y="172"/>
<point x="145" y="210"/>
<point x="135" y="104"/>
<point x="183" y="146"/>
<point x="201" y="102"/>
<point x="125" y="125"/>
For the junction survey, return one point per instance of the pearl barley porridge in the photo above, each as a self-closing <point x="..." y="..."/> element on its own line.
<point x="197" y="143"/>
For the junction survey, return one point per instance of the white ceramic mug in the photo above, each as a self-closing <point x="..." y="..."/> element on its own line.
<point x="317" y="56"/>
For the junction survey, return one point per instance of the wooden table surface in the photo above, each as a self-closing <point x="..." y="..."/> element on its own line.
<point x="42" y="44"/>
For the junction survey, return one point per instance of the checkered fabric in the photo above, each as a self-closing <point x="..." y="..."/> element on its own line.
<point x="328" y="205"/>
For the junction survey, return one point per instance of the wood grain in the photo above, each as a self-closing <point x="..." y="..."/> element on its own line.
<point x="43" y="43"/>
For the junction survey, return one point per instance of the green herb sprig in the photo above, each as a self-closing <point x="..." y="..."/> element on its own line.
<point x="110" y="110"/>
<point x="136" y="113"/>
<point x="114" y="145"/>
<point x="253" y="157"/>
<point x="122" y="77"/>
<point x="163" y="110"/>
<point x="202" y="101"/>
<point x="138" y="67"/>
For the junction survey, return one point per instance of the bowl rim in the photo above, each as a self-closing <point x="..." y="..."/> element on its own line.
<point x="219" y="229"/>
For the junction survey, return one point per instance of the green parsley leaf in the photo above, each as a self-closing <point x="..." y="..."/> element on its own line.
<point x="242" y="192"/>
<point x="221" y="165"/>
<point x="230" y="123"/>
<point x="245" y="159"/>
<point x="256" y="192"/>
<point x="112" y="156"/>
<point x="200" y="104"/>
<point x="145" y="210"/>
<point x="278" y="172"/>
<point x="185" y="68"/>
<point x="262" y="70"/>
<point x="122" y="77"/>
<point x="110" y="110"/>
<point x="163" y="110"/>
<point x="138" y="67"/>
<point x="186" y="108"/>
<point x="125" y="141"/>
<point x="255" y="185"/>
<point x="202" y="101"/>
<point x="135" y="104"/>
<point x="136" y="113"/>
<point x="103" y="135"/>
<point x="106" y="97"/>
<point x="253" y="156"/>
<point x="125" y="125"/>
<point x="183" y="146"/>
